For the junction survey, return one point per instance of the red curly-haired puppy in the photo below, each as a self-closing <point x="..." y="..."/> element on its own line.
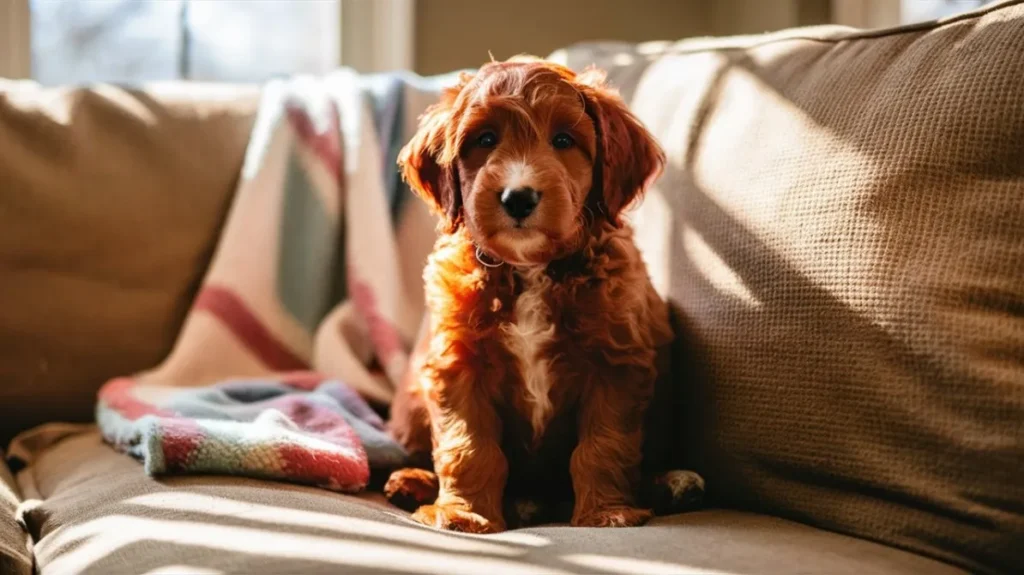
<point x="544" y="334"/>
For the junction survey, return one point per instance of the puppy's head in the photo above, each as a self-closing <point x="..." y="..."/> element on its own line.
<point x="526" y="155"/>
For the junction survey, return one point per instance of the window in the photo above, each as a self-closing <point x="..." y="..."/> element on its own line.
<point x="885" y="13"/>
<point x="133" y="41"/>
<point x="136" y="41"/>
<point x="922" y="10"/>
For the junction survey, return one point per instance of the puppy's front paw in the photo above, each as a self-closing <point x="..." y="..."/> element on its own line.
<point x="621" y="516"/>
<point x="452" y="518"/>
<point x="410" y="488"/>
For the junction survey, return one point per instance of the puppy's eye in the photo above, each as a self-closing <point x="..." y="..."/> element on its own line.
<point x="562" y="141"/>
<point x="487" y="139"/>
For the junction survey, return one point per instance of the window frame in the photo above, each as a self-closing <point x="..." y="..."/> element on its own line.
<point x="867" y="14"/>
<point x="378" y="35"/>
<point x="15" y="40"/>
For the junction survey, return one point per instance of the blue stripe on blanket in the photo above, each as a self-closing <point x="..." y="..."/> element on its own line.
<point x="310" y="246"/>
<point x="387" y="93"/>
<point x="310" y="240"/>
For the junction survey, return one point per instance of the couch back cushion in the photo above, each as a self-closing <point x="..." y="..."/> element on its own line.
<point x="110" y="201"/>
<point x="841" y="225"/>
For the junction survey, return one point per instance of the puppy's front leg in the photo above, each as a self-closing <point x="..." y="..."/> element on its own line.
<point x="605" y="466"/>
<point x="471" y="468"/>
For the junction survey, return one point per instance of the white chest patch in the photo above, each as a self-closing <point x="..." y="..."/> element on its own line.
<point x="525" y="337"/>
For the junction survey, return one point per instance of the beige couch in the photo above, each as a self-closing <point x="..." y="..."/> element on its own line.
<point x="841" y="227"/>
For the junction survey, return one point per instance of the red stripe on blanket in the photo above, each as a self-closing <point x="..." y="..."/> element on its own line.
<point x="231" y="310"/>
<point x="383" y="335"/>
<point x="304" y="380"/>
<point x="180" y="438"/>
<point x="117" y="395"/>
<point x="326" y="145"/>
<point x="337" y="471"/>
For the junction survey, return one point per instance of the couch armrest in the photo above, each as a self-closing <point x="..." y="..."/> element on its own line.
<point x="15" y="551"/>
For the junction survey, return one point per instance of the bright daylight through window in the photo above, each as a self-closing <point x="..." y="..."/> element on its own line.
<point x="132" y="41"/>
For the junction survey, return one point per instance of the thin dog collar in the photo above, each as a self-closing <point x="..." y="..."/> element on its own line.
<point x="483" y="259"/>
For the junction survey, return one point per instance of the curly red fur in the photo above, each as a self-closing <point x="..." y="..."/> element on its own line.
<point x="535" y="371"/>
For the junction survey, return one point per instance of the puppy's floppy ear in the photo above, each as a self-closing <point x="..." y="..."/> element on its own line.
<point x="428" y="164"/>
<point x="628" y="158"/>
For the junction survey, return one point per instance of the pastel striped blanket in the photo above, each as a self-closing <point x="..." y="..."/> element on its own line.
<point x="309" y="305"/>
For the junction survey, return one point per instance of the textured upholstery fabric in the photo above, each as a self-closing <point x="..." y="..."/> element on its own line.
<point x="98" y="513"/>
<point x="110" y="201"/>
<point x="841" y="225"/>
<point x="15" y="553"/>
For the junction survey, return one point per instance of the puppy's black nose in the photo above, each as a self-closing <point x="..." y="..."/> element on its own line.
<point x="519" y="202"/>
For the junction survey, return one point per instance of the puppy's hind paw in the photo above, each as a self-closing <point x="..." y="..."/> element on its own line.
<point x="523" y="512"/>
<point x="675" y="492"/>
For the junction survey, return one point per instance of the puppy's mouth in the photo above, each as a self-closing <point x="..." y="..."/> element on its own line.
<point x="519" y="230"/>
<point x="519" y="245"/>
<point x="523" y="236"/>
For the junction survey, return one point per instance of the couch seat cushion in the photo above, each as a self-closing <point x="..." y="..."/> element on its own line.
<point x="15" y="553"/>
<point x="96" y="512"/>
